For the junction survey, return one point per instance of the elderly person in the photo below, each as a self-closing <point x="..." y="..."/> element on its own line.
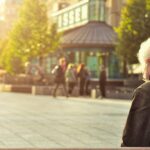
<point x="137" y="130"/>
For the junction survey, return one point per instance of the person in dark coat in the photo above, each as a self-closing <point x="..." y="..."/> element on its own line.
<point x="59" y="76"/>
<point x="82" y="75"/>
<point x="137" y="129"/>
<point x="102" y="81"/>
<point x="88" y="80"/>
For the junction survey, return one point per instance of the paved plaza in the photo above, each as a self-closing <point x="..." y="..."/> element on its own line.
<point x="31" y="121"/>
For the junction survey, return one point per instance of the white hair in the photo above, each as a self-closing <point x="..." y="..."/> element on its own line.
<point x="144" y="58"/>
<point x="144" y="52"/>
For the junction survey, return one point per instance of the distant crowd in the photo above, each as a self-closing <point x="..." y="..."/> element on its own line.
<point x="71" y="75"/>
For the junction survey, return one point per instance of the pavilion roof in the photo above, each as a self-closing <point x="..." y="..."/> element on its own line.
<point x="91" y="35"/>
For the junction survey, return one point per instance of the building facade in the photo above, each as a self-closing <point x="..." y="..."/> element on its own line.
<point x="9" y="11"/>
<point x="112" y="8"/>
<point x="88" y="30"/>
<point x="88" y="33"/>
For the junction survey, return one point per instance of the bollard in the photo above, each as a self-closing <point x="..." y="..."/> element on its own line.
<point x="93" y="93"/>
<point x="33" y="90"/>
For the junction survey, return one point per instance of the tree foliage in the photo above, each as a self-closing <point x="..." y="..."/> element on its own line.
<point x="134" y="28"/>
<point x="30" y="37"/>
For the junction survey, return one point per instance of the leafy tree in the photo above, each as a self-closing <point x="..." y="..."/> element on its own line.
<point x="30" y="36"/>
<point x="3" y="43"/>
<point x="133" y="29"/>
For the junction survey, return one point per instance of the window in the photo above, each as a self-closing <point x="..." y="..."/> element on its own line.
<point x="77" y="14"/>
<point x="65" y="19"/>
<point x="97" y="10"/>
<point x="71" y="17"/>
<point x="84" y="12"/>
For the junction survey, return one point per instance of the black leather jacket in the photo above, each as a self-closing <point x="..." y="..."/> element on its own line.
<point x="137" y="129"/>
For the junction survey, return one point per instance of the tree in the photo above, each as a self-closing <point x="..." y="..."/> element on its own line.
<point x="30" y="36"/>
<point x="3" y="43"/>
<point x="134" y="28"/>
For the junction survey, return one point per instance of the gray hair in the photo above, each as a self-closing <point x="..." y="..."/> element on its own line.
<point x="144" y="53"/>
<point x="144" y="58"/>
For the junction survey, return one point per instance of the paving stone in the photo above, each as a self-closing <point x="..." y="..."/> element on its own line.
<point x="36" y="121"/>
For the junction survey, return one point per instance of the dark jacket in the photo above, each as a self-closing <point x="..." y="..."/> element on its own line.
<point x="59" y="74"/>
<point x="83" y="74"/>
<point x="102" y="77"/>
<point x="137" y="129"/>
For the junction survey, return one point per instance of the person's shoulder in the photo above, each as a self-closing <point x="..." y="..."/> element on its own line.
<point x="145" y="85"/>
<point x="141" y="93"/>
<point x="143" y="88"/>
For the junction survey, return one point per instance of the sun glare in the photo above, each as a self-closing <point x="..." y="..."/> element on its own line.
<point x="1" y="10"/>
<point x="1" y="4"/>
<point x="1" y="1"/>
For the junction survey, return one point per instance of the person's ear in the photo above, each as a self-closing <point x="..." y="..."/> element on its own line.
<point x="146" y="74"/>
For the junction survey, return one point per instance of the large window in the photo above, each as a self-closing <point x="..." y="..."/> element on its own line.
<point x="78" y="14"/>
<point x="71" y="17"/>
<point x="65" y="19"/>
<point x="84" y="12"/>
<point x="97" y="10"/>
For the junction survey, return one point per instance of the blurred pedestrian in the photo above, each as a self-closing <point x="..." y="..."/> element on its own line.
<point x="82" y="75"/>
<point x="59" y="76"/>
<point x="137" y="129"/>
<point x="87" y="82"/>
<point x="40" y="74"/>
<point x="102" y="81"/>
<point x="71" y="78"/>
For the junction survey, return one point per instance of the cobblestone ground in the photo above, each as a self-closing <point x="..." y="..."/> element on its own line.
<point x="28" y="121"/>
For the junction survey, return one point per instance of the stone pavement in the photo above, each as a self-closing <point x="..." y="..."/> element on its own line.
<point x="28" y="121"/>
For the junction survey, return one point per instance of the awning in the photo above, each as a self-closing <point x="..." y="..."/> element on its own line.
<point x="91" y="35"/>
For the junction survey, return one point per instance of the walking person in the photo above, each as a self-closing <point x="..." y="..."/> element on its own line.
<point x="71" y="78"/>
<point x="102" y="81"/>
<point x="87" y="82"/>
<point x="82" y="74"/>
<point x="137" y="129"/>
<point x="59" y="75"/>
